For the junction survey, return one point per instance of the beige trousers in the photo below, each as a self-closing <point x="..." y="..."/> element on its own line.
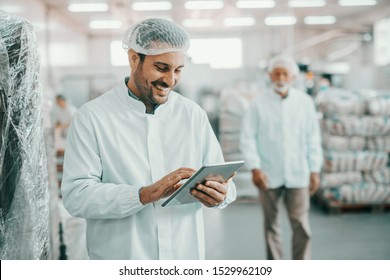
<point x="297" y="203"/>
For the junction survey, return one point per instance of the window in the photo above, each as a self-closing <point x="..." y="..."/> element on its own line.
<point x="223" y="53"/>
<point x="118" y="54"/>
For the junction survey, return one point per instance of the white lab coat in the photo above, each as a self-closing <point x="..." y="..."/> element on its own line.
<point x="114" y="148"/>
<point x="282" y="138"/>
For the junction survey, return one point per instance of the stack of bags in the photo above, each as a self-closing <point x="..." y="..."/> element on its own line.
<point x="356" y="142"/>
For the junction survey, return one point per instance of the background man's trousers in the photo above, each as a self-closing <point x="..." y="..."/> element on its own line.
<point x="297" y="203"/>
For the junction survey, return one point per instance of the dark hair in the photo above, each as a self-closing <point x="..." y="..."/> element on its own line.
<point x="60" y="97"/>
<point x="141" y="56"/>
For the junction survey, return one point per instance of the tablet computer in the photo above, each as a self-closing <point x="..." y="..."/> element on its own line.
<point x="216" y="172"/>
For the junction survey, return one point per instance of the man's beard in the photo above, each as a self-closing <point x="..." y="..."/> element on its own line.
<point x="281" y="87"/>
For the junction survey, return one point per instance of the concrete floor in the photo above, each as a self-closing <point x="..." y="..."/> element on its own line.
<point x="236" y="233"/>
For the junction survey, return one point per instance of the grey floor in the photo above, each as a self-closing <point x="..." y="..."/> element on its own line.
<point x="236" y="233"/>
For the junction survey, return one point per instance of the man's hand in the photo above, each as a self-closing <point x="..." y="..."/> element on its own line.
<point x="314" y="182"/>
<point x="260" y="179"/>
<point x="212" y="193"/>
<point x="165" y="186"/>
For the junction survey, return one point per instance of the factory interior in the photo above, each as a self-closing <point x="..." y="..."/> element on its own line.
<point x="71" y="53"/>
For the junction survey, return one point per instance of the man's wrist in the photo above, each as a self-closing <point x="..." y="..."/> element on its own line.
<point x="256" y="171"/>
<point x="141" y="194"/>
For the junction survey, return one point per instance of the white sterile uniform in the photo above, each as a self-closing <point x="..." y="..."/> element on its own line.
<point x="114" y="148"/>
<point x="282" y="138"/>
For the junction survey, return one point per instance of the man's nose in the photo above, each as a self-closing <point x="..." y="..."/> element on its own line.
<point x="170" y="79"/>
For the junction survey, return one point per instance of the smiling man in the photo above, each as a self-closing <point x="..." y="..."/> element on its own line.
<point x="130" y="148"/>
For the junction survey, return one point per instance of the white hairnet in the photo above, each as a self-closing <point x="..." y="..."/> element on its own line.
<point x="156" y="36"/>
<point x="283" y="61"/>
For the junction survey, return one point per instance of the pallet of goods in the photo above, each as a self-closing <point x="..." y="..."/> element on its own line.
<point x="355" y="129"/>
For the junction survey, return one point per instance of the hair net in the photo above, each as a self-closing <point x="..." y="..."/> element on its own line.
<point x="283" y="61"/>
<point x="156" y="36"/>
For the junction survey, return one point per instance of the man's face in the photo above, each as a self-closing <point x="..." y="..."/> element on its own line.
<point x="281" y="79"/>
<point x="61" y="103"/>
<point x="156" y="76"/>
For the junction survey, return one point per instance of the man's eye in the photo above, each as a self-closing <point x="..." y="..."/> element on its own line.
<point x="161" y="69"/>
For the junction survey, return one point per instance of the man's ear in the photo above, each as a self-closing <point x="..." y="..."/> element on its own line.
<point x="133" y="58"/>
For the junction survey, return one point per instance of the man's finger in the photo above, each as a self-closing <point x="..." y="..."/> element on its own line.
<point x="221" y="188"/>
<point x="204" y="198"/>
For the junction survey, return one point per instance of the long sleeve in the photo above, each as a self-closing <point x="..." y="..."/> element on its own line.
<point x="315" y="154"/>
<point x="248" y="139"/>
<point x="83" y="192"/>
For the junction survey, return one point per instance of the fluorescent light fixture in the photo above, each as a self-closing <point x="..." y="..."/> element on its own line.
<point x="152" y="6"/>
<point x="306" y="3"/>
<point x="280" y="20"/>
<point x="88" y="7"/>
<point x="357" y="2"/>
<point x="204" y="22"/>
<point x="239" y="21"/>
<point x="105" y="24"/>
<point x="203" y="5"/>
<point x="319" y="20"/>
<point x="255" y="4"/>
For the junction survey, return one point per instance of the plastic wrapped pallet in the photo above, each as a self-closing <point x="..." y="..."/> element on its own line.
<point x="356" y="141"/>
<point x="24" y="230"/>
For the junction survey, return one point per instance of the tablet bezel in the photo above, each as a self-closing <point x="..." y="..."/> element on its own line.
<point x="208" y="169"/>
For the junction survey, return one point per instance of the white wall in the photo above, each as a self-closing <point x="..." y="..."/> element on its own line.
<point x="80" y="65"/>
<point x="60" y="42"/>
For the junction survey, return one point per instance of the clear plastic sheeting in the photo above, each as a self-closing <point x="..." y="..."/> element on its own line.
<point x="24" y="199"/>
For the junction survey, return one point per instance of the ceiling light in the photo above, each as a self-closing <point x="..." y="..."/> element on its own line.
<point x="357" y="2"/>
<point x="152" y="6"/>
<point x="319" y="20"/>
<point x="253" y="4"/>
<point x="105" y="24"/>
<point x="88" y="7"/>
<point x="241" y="21"/>
<point x="203" y="5"/>
<point x="197" y="22"/>
<point x="280" y="20"/>
<point x="306" y="3"/>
